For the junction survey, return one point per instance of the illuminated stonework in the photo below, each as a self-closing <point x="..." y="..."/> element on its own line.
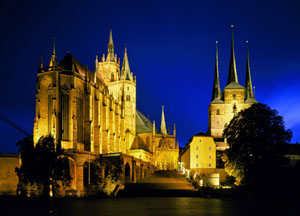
<point x="94" y="113"/>
<point x="234" y="98"/>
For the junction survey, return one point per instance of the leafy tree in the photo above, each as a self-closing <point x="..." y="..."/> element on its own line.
<point x="43" y="164"/>
<point x="256" y="138"/>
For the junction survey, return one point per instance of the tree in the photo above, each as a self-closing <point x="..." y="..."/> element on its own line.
<point x="44" y="164"/>
<point x="256" y="138"/>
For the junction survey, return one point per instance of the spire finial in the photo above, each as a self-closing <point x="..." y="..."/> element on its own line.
<point x="248" y="82"/>
<point x="110" y="48"/>
<point x="232" y="75"/>
<point x="216" y="93"/>
<point x="53" y="57"/>
<point x="126" y="74"/>
<point x="54" y="46"/>
<point x="163" y="127"/>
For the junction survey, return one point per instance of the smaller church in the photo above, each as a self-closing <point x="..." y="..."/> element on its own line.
<point x="202" y="152"/>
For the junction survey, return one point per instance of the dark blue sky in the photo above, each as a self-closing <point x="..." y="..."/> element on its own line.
<point x="171" y="50"/>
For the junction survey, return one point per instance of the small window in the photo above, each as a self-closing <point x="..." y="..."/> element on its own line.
<point x="209" y="148"/>
<point x="197" y="148"/>
<point x="209" y="165"/>
<point x="197" y="164"/>
<point x="127" y="88"/>
<point x="200" y="140"/>
<point x="234" y="96"/>
<point x="197" y="156"/>
<point x="127" y="97"/>
<point x="218" y="112"/>
<point x="209" y="156"/>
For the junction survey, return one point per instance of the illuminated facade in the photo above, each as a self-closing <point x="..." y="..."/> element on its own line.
<point x="94" y="113"/>
<point x="234" y="98"/>
<point x="199" y="152"/>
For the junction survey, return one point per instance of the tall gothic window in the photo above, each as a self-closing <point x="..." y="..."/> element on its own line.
<point x="50" y="107"/>
<point x="65" y="115"/>
<point x="79" y="111"/>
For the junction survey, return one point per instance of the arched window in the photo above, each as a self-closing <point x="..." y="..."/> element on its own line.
<point x="112" y="77"/>
<point x="218" y="111"/>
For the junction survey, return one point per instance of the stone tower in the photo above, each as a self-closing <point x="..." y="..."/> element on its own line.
<point x="122" y="87"/>
<point x="234" y="98"/>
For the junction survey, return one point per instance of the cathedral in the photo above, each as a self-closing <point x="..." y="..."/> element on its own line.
<point x="234" y="98"/>
<point x="94" y="114"/>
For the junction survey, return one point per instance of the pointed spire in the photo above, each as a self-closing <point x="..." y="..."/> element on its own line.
<point x="41" y="63"/>
<point x="174" y="131"/>
<point x="216" y="93"/>
<point x="96" y="69"/>
<point x="232" y="75"/>
<point x="126" y="74"/>
<point x="53" y="57"/>
<point x="53" y="52"/>
<point x="248" y="82"/>
<point x="163" y="127"/>
<point x="110" y="48"/>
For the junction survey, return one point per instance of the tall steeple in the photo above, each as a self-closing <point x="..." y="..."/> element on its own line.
<point x="216" y="93"/>
<point x="110" y="48"/>
<point x="248" y="82"/>
<point x="163" y="127"/>
<point x="53" y="57"/>
<point x="232" y="75"/>
<point x="125" y="67"/>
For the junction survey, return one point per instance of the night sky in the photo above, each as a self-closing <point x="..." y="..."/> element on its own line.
<point x="171" y="50"/>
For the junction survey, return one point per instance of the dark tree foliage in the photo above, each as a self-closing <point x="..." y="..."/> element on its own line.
<point x="256" y="138"/>
<point x="44" y="164"/>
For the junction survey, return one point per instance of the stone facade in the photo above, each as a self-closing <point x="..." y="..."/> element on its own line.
<point x="8" y="177"/>
<point x="94" y="114"/>
<point x="234" y="98"/>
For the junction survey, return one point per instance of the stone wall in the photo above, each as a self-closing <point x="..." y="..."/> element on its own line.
<point x="8" y="177"/>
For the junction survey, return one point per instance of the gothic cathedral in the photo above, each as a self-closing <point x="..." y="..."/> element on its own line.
<point x="94" y="113"/>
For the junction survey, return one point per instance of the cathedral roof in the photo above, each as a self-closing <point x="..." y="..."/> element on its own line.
<point x="68" y="61"/>
<point x="217" y="101"/>
<point x="143" y="124"/>
<point x="234" y="85"/>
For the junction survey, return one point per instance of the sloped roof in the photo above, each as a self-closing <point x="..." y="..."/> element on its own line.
<point x="67" y="62"/>
<point x="234" y="85"/>
<point x="143" y="124"/>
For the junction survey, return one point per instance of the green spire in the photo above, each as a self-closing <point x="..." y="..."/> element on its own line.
<point x="248" y="82"/>
<point x="232" y="75"/>
<point x="163" y="127"/>
<point x="125" y="67"/>
<point x="110" y="48"/>
<point x="216" y="93"/>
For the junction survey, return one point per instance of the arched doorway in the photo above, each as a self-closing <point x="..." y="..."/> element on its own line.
<point x="127" y="172"/>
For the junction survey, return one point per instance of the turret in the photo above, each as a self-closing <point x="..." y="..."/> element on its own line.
<point x="110" y="49"/>
<point x="53" y="57"/>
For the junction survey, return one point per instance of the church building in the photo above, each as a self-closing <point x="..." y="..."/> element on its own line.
<point x="94" y="114"/>
<point x="234" y="98"/>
